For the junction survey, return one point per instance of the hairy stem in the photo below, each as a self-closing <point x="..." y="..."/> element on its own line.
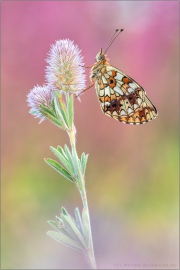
<point x="81" y="187"/>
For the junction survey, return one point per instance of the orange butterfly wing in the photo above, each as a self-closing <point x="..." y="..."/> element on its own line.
<point x="122" y="98"/>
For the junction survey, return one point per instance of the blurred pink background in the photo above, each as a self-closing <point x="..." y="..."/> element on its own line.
<point x="132" y="173"/>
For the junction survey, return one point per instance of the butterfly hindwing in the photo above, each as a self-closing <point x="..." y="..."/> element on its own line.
<point x="122" y="98"/>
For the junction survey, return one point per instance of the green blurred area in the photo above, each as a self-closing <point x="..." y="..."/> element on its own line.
<point x="32" y="193"/>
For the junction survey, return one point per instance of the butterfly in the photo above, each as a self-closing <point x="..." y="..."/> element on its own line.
<point x="120" y="97"/>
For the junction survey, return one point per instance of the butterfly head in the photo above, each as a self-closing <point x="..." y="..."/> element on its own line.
<point x="100" y="56"/>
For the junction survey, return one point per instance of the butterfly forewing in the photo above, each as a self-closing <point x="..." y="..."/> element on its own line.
<point x="122" y="98"/>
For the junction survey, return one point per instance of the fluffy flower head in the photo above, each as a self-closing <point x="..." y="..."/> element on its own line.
<point x="64" y="71"/>
<point x="39" y="95"/>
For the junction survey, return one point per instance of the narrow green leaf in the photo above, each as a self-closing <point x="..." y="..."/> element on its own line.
<point x="70" y="157"/>
<point x="60" y="99"/>
<point x="85" y="219"/>
<point x="72" y="228"/>
<point x="79" y="220"/>
<point x="54" y="225"/>
<point x="58" y="226"/>
<point x="84" y="159"/>
<point x="75" y="157"/>
<point x="50" y="115"/>
<point x="45" y="109"/>
<point x="61" y="150"/>
<point x="59" y="222"/>
<point x="64" y="239"/>
<point x="61" y="109"/>
<point x="71" y="110"/>
<point x="67" y="97"/>
<point x="61" y="227"/>
<point x="53" y="106"/>
<point x="64" y="161"/>
<point x="55" y="165"/>
<point x="56" y="122"/>
<point x="64" y="211"/>
<point x="58" y="113"/>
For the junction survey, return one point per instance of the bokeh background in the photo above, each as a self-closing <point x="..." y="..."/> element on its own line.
<point x="132" y="173"/>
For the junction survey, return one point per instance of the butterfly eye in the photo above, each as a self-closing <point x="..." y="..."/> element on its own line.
<point x="101" y="57"/>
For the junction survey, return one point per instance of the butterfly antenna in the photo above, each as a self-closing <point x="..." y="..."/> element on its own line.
<point x="115" y="35"/>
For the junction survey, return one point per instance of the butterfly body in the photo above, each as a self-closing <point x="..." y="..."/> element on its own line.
<point x="119" y="95"/>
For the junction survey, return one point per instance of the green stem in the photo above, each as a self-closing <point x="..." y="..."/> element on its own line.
<point x="82" y="190"/>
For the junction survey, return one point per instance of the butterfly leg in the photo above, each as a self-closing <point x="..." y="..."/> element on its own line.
<point x="86" y="67"/>
<point x="85" y="89"/>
